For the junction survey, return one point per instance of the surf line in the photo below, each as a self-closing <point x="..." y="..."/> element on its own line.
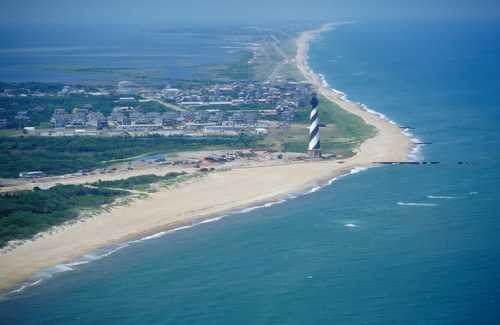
<point x="418" y="163"/>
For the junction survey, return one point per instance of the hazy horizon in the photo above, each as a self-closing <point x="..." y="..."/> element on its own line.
<point x="156" y="12"/>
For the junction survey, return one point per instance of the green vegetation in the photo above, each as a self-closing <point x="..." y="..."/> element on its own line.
<point x="266" y="60"/>
<point x="138" y="183"/>
<point x="238" y="70"/>
<point x="256" y="64"/>
<point x="40" y="109"/>
<point x="23" y="214"/>
<point x="32" y="86"/>
<point x="117" y="72"/>
<point x="153" y="106"/>
<point x="342" y="133"/>
<point x="191" y="83"/>
<point x="170" y="182"/>
<point x="240" y="107"/>
<point x="290" y="70"/>
<point x="10" y="132"/>
<point x="329" y="112"/>
<point x="26" y="213"/>
<point x="62" y="155"/>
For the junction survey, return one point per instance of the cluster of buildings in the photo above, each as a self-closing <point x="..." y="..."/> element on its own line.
<point x="225" y="108"/>
<point x="209" y="108"/>
<point x="78" y="117"/>
<point x="238" y="93"/>
<point x="128" y="119"/>
<point x="16" y="113"/>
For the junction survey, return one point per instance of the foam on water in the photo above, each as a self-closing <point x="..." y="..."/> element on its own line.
<point x="62" y="268"/>
<point x="323" y="80"/>
<point x="441" y="197"/>
<point x="252" y="208"/>
<point x="48" y="273"/>
<point x="25" y="286"/>
<point x="314" y="189"/>
<point x="330" y="182"/>
<point x="157" y="235"/>
<point x="354" y="170"/>
<point x="212" y="219"/>
<point x="76" y="263"/>
<point x="351" y="225"/>
<point x="357" y="170"/>
<point x="414" y="155"/>
<point x="107" y="251"/>
<point x="417" y="204"/>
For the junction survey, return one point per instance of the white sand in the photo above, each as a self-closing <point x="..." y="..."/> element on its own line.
<point x="214" y="194"/>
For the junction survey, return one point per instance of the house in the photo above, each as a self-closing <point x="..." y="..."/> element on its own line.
<point x="60" y="118"/>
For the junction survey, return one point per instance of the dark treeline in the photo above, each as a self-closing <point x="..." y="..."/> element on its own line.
<point x="26" y="213"/>
<point x="34" y="86"/>
<point x="62" y="155"/>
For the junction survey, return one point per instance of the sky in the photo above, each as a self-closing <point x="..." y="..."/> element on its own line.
<point x="156" y="12"/>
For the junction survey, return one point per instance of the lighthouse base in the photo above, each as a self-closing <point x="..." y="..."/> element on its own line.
<point x="314" y="153"/>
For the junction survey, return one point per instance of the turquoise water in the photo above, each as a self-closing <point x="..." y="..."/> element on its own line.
<point x="404" y="245"/>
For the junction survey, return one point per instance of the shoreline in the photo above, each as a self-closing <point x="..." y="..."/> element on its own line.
<point x="217" y="195"/>
<point x="387" y="130"/>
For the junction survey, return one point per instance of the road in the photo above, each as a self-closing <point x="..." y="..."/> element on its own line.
<point x="280" y="65"/>
<point x="167" y="105"/>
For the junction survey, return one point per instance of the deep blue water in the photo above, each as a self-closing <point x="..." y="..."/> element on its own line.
<point x="435" y="262"/>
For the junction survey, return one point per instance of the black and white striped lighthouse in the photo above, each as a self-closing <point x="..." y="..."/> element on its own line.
<point x="314" y="148"/>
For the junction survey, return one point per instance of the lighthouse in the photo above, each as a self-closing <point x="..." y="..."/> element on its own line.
<point x="314" y="148"/>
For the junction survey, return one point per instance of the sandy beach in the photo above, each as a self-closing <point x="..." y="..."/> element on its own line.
<point x="213" y="194"/>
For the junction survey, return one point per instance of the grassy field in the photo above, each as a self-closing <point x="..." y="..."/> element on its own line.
<point x="11" y="132"/>
<point x="343" y="131"/>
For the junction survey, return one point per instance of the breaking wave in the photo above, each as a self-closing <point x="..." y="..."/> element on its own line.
<point x="417" y="204"/>
<point x="48" y="273"/>
<point x="414" y="155"/>
<point x="441" y="197"/>
<point x="357" y="170"/>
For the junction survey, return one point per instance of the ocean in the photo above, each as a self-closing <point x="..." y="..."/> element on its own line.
<point x="394" y="244"/>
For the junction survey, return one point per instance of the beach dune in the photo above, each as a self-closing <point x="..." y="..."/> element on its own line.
<point x="214" y="194"/>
